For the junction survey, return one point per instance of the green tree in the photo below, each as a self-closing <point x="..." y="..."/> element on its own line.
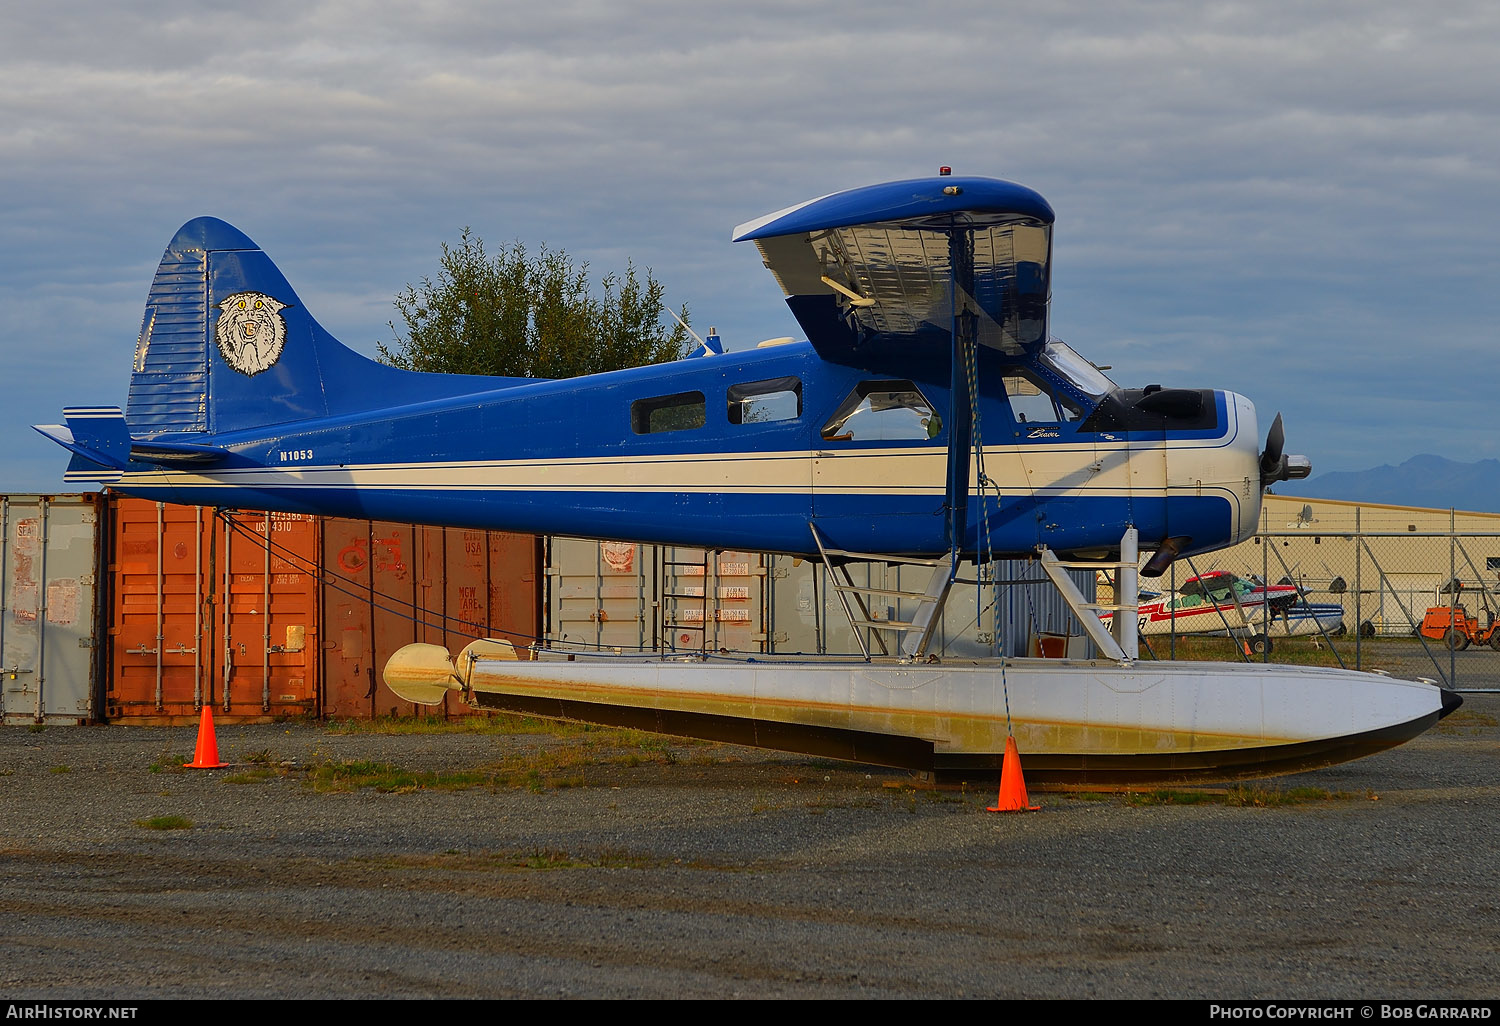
<point x="516" y="315"/>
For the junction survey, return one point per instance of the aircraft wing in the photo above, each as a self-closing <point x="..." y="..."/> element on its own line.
<point x="893" y="265"/>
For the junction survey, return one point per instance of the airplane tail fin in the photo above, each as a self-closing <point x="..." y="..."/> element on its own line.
<point x="226" y="345"/>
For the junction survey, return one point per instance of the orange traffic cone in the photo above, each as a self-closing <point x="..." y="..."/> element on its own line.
<point x="1012" y="797"/>
<point x="206" y="755"/>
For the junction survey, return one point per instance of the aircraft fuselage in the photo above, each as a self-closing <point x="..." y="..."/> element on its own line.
<point x="742" y="450"/>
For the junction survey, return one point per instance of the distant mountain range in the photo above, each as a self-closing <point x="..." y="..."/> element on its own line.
<point x="1423" y="480"/>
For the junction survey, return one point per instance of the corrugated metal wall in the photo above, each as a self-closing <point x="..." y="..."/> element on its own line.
<point x="618" y="595"/>
<point x="807" y="617"/>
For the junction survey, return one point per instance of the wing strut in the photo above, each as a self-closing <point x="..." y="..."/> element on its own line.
<point x="1121" y="645"/>
<point x="961" y="393"/>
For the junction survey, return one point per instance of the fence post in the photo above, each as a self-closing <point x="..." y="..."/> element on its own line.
<point x="1265" y="592"/>
<point x="1359" y="622"/>
<point x="1172" y="620"/>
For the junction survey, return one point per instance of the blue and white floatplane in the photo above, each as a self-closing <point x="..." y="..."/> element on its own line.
<point x="929" y="417"/>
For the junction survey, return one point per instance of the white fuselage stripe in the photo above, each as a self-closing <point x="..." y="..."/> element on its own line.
<point x="1058" y="470"/>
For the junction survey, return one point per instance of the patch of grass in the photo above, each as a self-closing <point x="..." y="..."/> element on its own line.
<point x="494" y="723"/>
<point x="389" y="779"/>
<point x="1239" y="796"/>
<point x="36" y="728"/>
<point x="261" y="757"/>
<point x="168" y="763"/>
<point x="254" y="775"/>
<point x="1263" y="797"/>
<point x="543" y="858"/>
<point x="165" y="823"/>
<point x="626" y="737"/>
<point x="656" y="747"/>
<point x="623" y="858"/>
<point x="1298" y="651"/>
<point x="540" y="770"/>
<point x="60" y="769"/>
<point x="1168" y="797"/>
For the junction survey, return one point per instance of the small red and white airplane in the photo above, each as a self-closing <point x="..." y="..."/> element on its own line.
<point x="1224" y="603"/>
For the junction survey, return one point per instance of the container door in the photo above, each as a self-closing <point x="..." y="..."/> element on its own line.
<point x="599" y="594"/>
<point x="158" y="621"/>
<point x="370" y="606"/>
<point x="48" y="567"/>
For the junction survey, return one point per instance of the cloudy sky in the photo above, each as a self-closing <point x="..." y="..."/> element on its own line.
<point x="1296" y="201"/>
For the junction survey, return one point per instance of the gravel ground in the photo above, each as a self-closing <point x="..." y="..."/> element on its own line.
<point x="713" y="871"/>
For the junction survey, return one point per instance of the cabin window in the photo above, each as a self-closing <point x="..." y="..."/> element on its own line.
<point x="1217" y="588"/>
<point x="1034" y="402"/>
<point x="764" y="402"/>
<point x="682" y="411"/>
<point x="888" y="411"/>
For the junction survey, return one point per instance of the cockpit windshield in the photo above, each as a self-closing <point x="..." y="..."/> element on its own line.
<point x="1060" y="358"/>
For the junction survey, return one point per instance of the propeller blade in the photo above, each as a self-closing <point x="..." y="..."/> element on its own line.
<point x="1275" y="442"/>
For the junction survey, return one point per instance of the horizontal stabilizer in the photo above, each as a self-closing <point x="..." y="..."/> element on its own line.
<point x="102" y="448"/>
<point x="97" y="437"/>
<point x="82" y="469"/>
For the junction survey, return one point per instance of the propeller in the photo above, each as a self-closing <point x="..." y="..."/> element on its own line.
<point x="1274" y="464"/>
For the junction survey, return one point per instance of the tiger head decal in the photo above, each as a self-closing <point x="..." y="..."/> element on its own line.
<point x="251" y="331"/>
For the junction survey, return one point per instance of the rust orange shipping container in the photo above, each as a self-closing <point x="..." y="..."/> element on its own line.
<point x="275" y="615"/>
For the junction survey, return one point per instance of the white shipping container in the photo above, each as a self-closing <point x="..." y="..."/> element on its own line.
<point x="49" y="572"/>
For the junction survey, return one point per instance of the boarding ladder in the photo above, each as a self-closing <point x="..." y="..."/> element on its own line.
<point x="914" y="633"/>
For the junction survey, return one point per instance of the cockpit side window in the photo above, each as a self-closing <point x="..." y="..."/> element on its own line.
<point x="1060" y="359"/>
<point x="1033" y="401"/>
<point x="887" y="411"/>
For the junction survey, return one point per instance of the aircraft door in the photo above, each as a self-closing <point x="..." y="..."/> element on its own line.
<point x="879" y="476"/>
<point x="1054" y="477"/>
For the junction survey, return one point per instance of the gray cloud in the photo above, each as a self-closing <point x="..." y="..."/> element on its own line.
<point x="1296" y="203"/>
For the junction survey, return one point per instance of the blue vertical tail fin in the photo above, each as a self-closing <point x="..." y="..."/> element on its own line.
<point x="226" y="345"/>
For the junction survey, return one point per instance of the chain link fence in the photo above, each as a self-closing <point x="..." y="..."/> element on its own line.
<point x="1405" y="602"/>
